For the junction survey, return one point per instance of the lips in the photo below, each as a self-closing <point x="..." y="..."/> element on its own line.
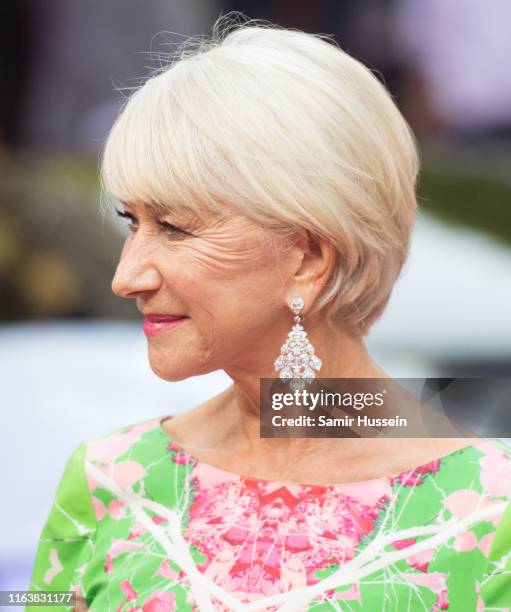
<point x="163" y="318"/>
<point x="158" y="323"/>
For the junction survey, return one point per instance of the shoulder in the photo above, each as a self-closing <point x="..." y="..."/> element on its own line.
<point x="488" y="497"/>
<point x="134" y="461"/>
<point x="111" y="447"/>
<point x="121" y="458"/>
<point x="116" y="443"/>
<point x="495" y="468"/>
<point x="484" y="466"/>
<point x="495" y="586"/>
<point x="476" y="476"/>
<point x="128" y="472"/>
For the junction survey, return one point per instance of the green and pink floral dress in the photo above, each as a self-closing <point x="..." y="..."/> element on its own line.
<point x="140" y="525"/>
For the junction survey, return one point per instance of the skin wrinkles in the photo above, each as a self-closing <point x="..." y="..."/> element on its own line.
<point x="234" y="288"/>
<point x="210" y="277"/>
<point x="221" y="244"/>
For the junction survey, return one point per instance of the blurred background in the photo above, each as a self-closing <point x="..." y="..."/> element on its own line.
<point x="73" y="359"/>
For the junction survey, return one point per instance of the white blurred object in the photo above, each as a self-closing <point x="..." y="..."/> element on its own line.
<point x="452" y="300"/>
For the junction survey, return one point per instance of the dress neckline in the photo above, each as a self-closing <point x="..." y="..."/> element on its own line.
<point x="420" y="470"/>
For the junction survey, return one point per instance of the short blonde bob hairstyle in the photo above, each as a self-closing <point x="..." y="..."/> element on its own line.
<point x="287" y="129"/>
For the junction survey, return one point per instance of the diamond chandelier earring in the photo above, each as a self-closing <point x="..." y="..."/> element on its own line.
<point x="297" y="359"/>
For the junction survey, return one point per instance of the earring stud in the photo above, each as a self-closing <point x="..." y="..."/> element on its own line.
<point x="297" y="359"/>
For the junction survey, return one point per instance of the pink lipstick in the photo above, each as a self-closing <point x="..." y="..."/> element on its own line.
<point x="158" y="324"/>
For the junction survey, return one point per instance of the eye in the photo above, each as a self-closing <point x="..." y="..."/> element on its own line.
<point x="173" y="229"/>
<point x="125" y="215"/>
<point x="169" y="228"/>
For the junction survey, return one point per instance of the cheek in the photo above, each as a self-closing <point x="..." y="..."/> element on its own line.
<point x="226" y="255"/>
<point x="227" y="288"/>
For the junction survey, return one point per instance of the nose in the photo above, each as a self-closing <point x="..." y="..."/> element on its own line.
<point x="134" y="274"/>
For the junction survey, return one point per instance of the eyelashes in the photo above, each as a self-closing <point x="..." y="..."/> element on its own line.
<point x="171" y="229"/>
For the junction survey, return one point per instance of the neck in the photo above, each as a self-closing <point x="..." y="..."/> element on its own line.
<point x="343" y="355"/>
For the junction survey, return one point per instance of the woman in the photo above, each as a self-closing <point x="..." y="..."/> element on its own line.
<point x="267" y="175"/>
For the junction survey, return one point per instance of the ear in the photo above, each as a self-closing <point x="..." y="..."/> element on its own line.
<point x="316" y="262"/>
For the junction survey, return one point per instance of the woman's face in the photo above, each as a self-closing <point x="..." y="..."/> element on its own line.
<point x="222" y="275"/>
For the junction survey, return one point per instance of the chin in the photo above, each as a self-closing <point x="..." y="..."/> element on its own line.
<point x="176" y="372"/>
<point x="171" y="374"/>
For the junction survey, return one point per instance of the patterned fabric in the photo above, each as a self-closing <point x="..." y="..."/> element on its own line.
<point x="140" y="525"/>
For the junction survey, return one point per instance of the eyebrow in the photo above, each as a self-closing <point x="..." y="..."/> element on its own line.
<point x="158" y="208"/>
<point x="134" y="204"/>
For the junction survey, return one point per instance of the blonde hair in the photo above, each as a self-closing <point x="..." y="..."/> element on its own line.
<point x="287" y="129"/>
